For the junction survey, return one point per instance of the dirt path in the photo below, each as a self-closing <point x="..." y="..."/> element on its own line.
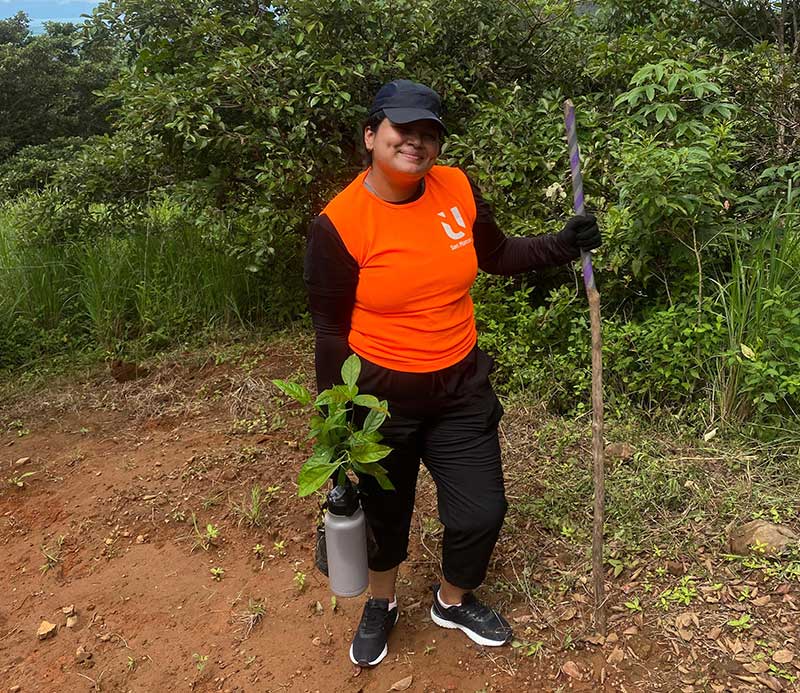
<point x="121" y="470"/>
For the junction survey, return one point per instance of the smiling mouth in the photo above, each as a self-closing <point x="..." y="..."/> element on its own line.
<point x="411" y="157"/>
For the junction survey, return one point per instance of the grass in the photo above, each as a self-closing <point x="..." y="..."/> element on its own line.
<point x="142" y="290"/>
<point x="251" y="617"/>
<point x="758" y="302"/>
<point x="674" y="497"/>
<point x="252" y="509"/>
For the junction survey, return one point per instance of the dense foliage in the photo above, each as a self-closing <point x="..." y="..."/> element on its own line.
<point x="46" y="85"/>
<point x="233" y="122"/>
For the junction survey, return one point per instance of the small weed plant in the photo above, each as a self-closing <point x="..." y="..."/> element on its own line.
<point x="681" y="594"/>
<point x="340" y="445"/>
<point x="204" y="539"/>
<point x="528" y="649"/>
<point x="18" y="480"/>
<point x="744" y="622"/>
<point x="634" y="605"/>
<point x="217" y="573"/>
<point x="251" y="617"/>
<point x="200" y="661"/>
<point x="252" y="511"/>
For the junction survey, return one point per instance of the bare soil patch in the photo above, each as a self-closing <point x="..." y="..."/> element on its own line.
<point x="114" y="521"/>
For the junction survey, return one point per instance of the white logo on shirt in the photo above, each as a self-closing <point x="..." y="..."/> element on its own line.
<point x="455" y="235"/>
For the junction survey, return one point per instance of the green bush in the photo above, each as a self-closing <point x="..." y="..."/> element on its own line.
<point x="32" y="167"/>
<point x="234" y="123"/>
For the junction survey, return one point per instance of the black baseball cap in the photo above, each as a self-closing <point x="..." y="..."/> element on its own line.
<point x="404" y="101"/>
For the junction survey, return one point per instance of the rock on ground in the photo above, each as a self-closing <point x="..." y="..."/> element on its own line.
<point x="46" y="630"/>
<point x="768" y="537"/>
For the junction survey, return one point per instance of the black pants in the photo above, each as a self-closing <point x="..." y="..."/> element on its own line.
<point x="448" y="419"/>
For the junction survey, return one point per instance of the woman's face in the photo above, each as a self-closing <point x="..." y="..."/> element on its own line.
<point x="403" y="152"/>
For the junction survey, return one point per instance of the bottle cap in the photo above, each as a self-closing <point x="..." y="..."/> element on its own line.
<point x="343" y="500"/>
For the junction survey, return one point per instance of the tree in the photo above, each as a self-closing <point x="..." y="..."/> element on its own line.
<point x="47" y="85"/>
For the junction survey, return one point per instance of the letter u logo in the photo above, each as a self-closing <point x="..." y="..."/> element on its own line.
<point x="455" y="235"/>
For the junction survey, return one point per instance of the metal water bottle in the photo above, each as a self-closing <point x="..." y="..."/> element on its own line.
<point x="346" y="542"/>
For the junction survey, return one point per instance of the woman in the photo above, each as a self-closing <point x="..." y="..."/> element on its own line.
<point x="389" y="265"/>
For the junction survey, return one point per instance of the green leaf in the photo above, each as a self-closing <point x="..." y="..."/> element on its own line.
<point x="377" y="471"/>
<point x="374" y="420"/>
<point x="673" y="82"/>
<point x="315" y="472"/>
<point x="370" y="401"/>
<point x="338" y="420"/>
<point x="344" y="393"/>
<point x="369" y="452"/>
<point x="351" y="369"/>
<point x="336" y="395"/>
<point x="294" y="390"/>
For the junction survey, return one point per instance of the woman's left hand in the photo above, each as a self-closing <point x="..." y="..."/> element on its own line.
<point x="582" y="232"/>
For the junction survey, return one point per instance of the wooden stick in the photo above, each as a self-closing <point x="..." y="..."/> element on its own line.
<point x="597" y="381"/>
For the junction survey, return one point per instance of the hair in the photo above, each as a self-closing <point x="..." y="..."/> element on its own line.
<point x="372" y="123"/>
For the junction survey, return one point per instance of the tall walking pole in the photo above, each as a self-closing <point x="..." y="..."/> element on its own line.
<point x="597" y="380"/>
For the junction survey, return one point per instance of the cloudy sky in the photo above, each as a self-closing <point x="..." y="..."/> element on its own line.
<point x="47" y="10"/>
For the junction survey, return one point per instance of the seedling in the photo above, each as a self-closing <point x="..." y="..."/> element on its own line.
<point x="782" y="673"/>
<point x="300" y="580"/>
<point x="217" y="573"/>
<point x="567" y="531"/>
<point x="258" y="551"/>
<point x="200" y="661"/>
<point x="617" y="564"/>
<point x="680" y="594"/>
<point x="340" y="446"/>
<point x="279" y="547"/>
<point x="19" y="427"/>
<point x="18" y="480"/>
<point x="742" y="623"/>
<point x="131" y="663"/>
<point x="52" y="555"/>
<point x="634" y="605"/>
<point x="528" y="649"/>
<point x="205" y="539"/>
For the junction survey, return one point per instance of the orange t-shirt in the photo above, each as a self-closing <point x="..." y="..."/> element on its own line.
<point x="417" y="263"/>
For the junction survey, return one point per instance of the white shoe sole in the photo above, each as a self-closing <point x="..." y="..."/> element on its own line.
<point x="439" y="621"/>
<point x="380" y="657"/>
<point x="378" y="660"/>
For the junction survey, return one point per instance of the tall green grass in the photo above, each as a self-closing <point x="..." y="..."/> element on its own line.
<point x="152" y="288"/>
<point x="760" y="302"/>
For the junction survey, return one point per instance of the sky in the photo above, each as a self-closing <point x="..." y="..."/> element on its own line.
<point x="41" y="11"/>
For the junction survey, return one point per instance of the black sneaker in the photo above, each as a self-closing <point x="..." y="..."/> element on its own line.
<point x="369" y="644"/>
<point x="481" y="623"/>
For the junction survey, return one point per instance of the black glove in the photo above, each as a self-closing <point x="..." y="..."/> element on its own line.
<point x="581" y="232"/>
